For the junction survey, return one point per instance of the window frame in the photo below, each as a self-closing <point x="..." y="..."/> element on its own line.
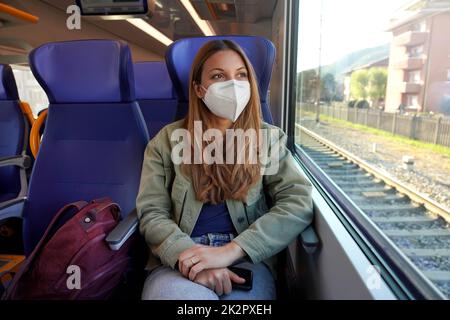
<point x="412" y="75"/>
<point x="29" y="93"/>
<point x="413" y="52"/>
<point x="404" y="279"/>
<point x="410" y="98"/>
<point x="420" y="26"/>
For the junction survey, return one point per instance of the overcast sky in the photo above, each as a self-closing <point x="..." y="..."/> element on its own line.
<point x="348" y="25"/>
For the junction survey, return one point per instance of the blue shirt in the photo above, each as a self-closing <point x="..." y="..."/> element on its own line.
<point x="213" y="219"/>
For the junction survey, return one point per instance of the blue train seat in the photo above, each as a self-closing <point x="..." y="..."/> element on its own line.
<point x="181" y="54"/>
<point x="95" y="133"/>
<point x="14" y="130"/>
<point x="155" y="94"/>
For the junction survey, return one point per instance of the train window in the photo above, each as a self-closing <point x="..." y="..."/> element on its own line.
<point x="372" y="120"/>
<point x="29" y="89"/>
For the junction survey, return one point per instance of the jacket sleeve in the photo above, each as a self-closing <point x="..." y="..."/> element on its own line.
<point x="291" y="211"/>
<point x="154" y="208"/>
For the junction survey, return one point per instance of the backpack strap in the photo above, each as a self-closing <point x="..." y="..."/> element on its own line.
<point x="101" y="200"/>
<point x="9" y="292"/>
<point x="79" y="205"/>
<point x="107" y="204"/>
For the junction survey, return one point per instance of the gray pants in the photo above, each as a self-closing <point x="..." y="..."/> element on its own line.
<point x="163" y="283"/>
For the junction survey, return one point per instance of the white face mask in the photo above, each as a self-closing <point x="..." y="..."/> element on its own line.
<point x="228" y="99"/>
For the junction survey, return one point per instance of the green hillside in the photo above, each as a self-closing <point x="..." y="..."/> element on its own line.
<point x="356" y="59"/>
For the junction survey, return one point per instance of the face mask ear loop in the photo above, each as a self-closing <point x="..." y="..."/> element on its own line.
<point x="235" y="117"/>
<point x="201" y="86"/>
<point x="204" y="96"/>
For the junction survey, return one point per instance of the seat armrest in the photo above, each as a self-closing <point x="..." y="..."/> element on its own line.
<point x="309" y="240"/>
<point x="12" y="208"/>
<point x="22" y="161"/>
<point x="120" y="234"/>
<point x="9" y="203"/>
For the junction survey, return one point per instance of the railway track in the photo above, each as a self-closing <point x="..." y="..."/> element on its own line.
<point x="419" y="226"/>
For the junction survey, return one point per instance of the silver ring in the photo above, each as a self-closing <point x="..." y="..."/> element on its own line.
<point x="194" y="260"/>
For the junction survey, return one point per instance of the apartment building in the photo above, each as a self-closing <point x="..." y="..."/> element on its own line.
<point x="419" y="61"/>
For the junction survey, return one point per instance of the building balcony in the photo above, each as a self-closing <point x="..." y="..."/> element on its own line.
<point x="411" y="38"/>
<point x="409" y="87"/>
<point x="410" y="63"/>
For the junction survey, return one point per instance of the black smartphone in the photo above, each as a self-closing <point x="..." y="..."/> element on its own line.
<point x="243" y="273"/>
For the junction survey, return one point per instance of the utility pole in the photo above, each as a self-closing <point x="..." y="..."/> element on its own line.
<point x="319" y="69"/>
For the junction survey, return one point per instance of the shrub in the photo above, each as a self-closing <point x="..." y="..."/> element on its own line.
<point x="362" y="104"/>
<point x="351" y="103"/>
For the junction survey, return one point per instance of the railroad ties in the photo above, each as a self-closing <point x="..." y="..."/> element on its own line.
<point x="421" y="234"/>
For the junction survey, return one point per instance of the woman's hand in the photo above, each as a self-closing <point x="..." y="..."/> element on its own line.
<point x="218" y="280"/>
<point x="198" y="258"/>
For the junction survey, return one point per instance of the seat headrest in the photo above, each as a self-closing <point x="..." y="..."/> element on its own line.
<point x="8" y="87"/>
<point x="181" y="54"/>
<point x="152" y="81"/>
<point x="85" y="71"/>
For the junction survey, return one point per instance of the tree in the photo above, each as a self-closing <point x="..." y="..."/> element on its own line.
<point x="377" y="84"/>
<point x="359" y="84"/>
<point x="306" y="83"/>
<point x="328" y="87"/>
<point x="339" y="96"/>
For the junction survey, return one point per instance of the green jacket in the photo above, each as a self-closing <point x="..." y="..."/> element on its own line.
<point x="166" y="196"/>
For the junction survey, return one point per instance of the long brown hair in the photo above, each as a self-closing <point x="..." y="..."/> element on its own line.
<point x="215" y="182"/>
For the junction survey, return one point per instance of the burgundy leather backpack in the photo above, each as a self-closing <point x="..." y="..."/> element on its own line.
<point x="74" y="261"/>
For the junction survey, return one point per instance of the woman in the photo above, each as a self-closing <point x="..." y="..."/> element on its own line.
<point x="200" y="217"/>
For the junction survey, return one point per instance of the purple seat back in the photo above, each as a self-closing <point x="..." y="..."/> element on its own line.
<point x="95" y="133"/>
<point x="12" y="133"/>
<point x="155" y="94"/>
